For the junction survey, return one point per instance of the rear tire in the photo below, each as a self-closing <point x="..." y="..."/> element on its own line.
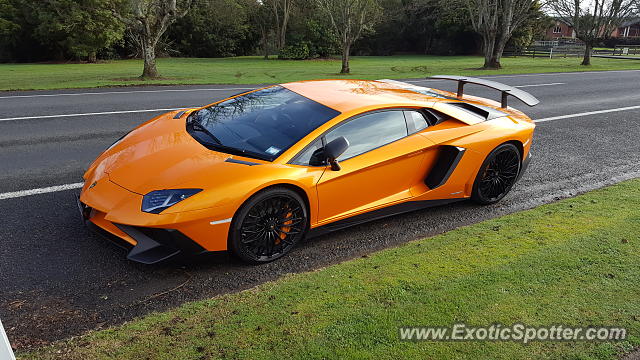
<point x="497" y="175"/>
<point x="268" y="225"/>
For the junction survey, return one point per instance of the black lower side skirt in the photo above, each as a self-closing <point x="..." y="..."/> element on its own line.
<point x="379" y="214"/>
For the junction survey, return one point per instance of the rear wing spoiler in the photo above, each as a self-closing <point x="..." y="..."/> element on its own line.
<point x="506" y="90"/>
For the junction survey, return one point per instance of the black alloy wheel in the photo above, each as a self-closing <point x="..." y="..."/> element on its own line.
<point x="268" y="225"/>
<point x="497" y="174"/>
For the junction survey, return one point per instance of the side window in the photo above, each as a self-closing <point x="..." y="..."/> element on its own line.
<point x="312" y="155"/>
<point x="370" y="131"/>
<point x="416" y="121"/>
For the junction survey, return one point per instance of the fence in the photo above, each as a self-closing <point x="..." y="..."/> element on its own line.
<point x="626" y="50"/>
<point x="553" y="51"/>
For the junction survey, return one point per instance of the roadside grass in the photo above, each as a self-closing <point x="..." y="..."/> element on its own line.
<point x="255" y="70"/>
<point x="575" y="263"/>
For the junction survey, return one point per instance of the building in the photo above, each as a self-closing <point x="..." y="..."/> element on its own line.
<point x="630" y="29"/>
<point x="560" y="29"/>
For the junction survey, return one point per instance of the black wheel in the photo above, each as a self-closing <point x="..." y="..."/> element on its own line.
<point x="268" y="225"/>
<point x="497" y="174"/>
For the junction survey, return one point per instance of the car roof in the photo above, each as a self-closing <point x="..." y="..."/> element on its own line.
<point x="348" y="95"/>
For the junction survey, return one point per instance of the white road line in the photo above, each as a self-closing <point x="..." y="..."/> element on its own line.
<point x="50" y="189"/>
<point x="253" y="88"/>
<point x="535" y="85"/>
<point x="518" y="86"/>
<point x="154" y="110"/>
<point x="22" y="193"/>
<point x="489" y="77"/>
<point x="87" y="114"/>
<point x="559" y="73"/>
<point x="587" y="113"/>
<point x="120" y="92"/>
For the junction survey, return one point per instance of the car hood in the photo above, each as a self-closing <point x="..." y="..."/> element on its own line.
<point x="162" y="155"/>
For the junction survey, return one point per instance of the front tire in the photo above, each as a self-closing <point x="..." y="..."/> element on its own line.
<point x="497" y="175"/>
<point x="268" y="225"/>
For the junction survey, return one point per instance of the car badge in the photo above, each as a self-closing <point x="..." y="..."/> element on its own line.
<point x="93" y="185"/>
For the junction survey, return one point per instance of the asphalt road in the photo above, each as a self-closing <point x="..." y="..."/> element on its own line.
<point x="57" y="279"/>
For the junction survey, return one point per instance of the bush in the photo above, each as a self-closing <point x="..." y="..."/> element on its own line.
<point x="298" y="51"/>
<point x="613" y="42"/>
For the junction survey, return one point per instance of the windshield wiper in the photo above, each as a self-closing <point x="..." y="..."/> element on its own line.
<point x="237" y="151"/>
<point x="217" y="144"/>
<point x="196" y="126"/>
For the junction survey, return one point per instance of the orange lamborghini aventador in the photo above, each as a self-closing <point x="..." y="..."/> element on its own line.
<point x="259" y="171"/>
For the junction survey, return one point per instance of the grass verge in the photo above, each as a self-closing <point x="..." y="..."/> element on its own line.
<point x="255" y="70"/>
<point x="575" y="262"/>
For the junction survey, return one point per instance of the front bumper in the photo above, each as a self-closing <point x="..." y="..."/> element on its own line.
<point x="146" y="245"/>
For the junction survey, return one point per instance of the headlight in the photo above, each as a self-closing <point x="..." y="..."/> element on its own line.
<point x="157" y="201"/>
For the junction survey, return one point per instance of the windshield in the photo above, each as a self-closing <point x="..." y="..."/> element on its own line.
<point x="261" y="124"/>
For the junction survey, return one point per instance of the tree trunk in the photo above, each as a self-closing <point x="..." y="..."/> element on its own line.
<point x="265" y="43"/>
<point x="345" y="59"/>
<point x="489" y="50"/>
<point x="429" y="44"/>
<point x="279" y="45"/>
<point x="283" y="37"/>
<point x="149" y="55"/>
<point x="587" y="55"/>
<point x="493" y="62"/>
<point x="92" y="58"/>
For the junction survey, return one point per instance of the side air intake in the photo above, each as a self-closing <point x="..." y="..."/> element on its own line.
<point x="448" y="159"/>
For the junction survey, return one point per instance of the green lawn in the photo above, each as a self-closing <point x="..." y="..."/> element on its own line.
<point x="254" y="70"/>
<point x="575" y="262"/>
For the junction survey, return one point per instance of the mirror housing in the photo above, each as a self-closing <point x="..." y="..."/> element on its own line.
<point x="333" y="149"/>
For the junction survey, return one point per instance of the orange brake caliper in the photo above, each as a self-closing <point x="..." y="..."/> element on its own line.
<point x="284" y="229"/>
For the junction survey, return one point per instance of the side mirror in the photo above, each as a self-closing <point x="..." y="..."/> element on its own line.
<point x="333" y="149"/>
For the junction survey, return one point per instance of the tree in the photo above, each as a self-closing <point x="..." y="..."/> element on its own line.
<point x="387" y="34"/>
<point x="260" y="16"/>
<point x="9" y="27"/>
<point x="350" y="18"/>
<point x="309" y="29"/>
<point x="495" y="21"/>
<point x="426" y="26"/>
<point x="214" y="28"/>
<point x="592" y="21"/>
<point x="79" y="28"/>
<point x="534" y="27"/>
<point x="148" y="20"/>
<point x="281" y="10"/>
<point x="56" y="29"/>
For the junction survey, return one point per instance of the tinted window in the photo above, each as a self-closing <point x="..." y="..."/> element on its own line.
<point x="416" y="120"/>
<point x="312" y="155"/>
<point x="370" y="131"/>
<point x="260" y="124"/>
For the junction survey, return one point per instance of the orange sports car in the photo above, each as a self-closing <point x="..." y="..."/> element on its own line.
<point x="257" y="172"/>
